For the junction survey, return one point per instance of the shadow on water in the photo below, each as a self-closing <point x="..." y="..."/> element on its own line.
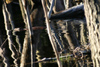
<point x="12" y="45"/>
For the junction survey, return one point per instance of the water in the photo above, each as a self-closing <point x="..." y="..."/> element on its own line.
<point x="13" y="44"/>
<point x="12" y="57"/>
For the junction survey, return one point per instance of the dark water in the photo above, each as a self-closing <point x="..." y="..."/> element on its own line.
<point x="12" y="46"/>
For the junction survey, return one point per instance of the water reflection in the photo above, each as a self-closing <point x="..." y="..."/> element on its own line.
<point x="12" y="54"/>
<point x="15" y="48"/>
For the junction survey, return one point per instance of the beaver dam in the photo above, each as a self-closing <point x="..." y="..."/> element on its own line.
<point x="49" y="33"/>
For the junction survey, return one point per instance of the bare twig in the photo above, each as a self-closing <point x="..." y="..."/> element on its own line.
<point x="50" y="35"/>
<point x="51" y="8"/>
<point x="24" y="51"/>
<point x="26" y="17"/>
<point x="4" y="42"/>
<point x="33" y="28"/>
<point x="7" y="20"/>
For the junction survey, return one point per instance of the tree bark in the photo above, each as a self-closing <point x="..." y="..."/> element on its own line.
<point x="92" y="13"/>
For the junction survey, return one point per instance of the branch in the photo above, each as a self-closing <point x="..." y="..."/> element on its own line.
<point x="33" y="28"/>
<point x="79" y="56"/>
<point x="50" y="35"/>
<point x="25" y="7"/>
<point x="51" y="8"/>
<point x="76" y="12"/>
